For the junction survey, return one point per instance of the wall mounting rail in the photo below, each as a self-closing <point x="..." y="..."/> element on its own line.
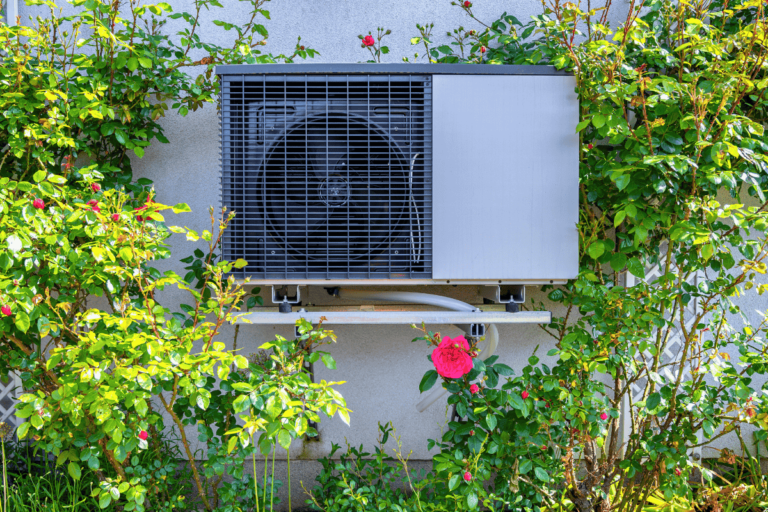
<point x="396" y="317"/>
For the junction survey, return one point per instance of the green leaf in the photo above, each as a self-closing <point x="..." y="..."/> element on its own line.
<point x="526" y="466"/>
<point x="284" y="438"/>
<point x="329" y="362"/>
<point x="622" y="180"/>
<point x="541" y="474"/>
<point x="105" y="499"/>
<point x="503" y="369"/>
<point x="708" y="428"/>
<point x="132" y="64"/>
<point x="619" y="218"/>
<point x="454" y="482"/>
<point x="22" y="321"/>
<point x="472" y="501"/>
<point x="428" y="381"/>
<point x="582" y="125"/>
<point x="490" y="420"/>
<point x="181" y="208"/>
<point x="145" y="62"/>
<point x="618" y="261"/>
<point x="636" y="268"/>
<point x="653" y="401"/>
<point x="39" y="176"/>
<point x="74" y="470"/>
<point x="596" y="249"/>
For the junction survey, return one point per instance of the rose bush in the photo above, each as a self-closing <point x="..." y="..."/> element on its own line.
<point x="673" y="175"/>
<point x="107" y="368"/>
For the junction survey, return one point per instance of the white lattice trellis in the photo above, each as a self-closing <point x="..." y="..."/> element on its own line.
<point x="8" y="394"/>
<point x="672" y="351"/>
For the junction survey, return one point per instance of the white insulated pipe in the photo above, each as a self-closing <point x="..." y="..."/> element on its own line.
<point x="491" y="335"/>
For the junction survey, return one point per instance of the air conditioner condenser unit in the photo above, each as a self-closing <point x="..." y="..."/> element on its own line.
<point x="361" y="174"/>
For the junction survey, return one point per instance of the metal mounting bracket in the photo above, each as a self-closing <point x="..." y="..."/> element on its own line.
<point x="284" y="299"/>
<point x="504" y="294"/>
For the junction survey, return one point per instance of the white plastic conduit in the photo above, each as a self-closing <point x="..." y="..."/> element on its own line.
<point x="491" y="334"/>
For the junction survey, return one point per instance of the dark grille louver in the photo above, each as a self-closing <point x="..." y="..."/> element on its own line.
<point x="330" y="175"/>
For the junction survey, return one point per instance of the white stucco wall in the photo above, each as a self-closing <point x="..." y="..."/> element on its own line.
<point x="380" y="365"/>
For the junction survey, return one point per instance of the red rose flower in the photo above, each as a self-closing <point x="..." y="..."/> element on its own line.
<point x="93" y="202"/>
<point x="604" y="416"/>
<point x="474" y="388"/>
<point x="451" y="359"/>
<point x="6" y="310"/>
<point x="115" y="217"/>
<point x="369" y="41"/>
<point x="546" y="404"/>
<point x="467" y="4"/>
<point x="95" y="208"/>
<point x="471" y="432"/>
<point x="95" y="187"/>
<point x="143" y="435"/>
<point x="678" y="472"/>
<point x="590" y="146"/>
<point x="524" y="394"/>
<point x="467" y="476"/>
<point x="38" y="203"/>
<point x="482" y="49"/>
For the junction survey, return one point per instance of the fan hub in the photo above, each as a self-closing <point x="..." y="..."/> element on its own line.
<point x="334" y="191"/>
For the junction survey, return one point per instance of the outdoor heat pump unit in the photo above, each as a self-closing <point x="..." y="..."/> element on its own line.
<point x="361" y="174"/>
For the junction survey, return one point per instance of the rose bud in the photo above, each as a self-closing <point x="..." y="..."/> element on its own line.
<point x="38" y="203"/>
<point x="604" y="416"/>
<point x="115" y="217"/>
<point x="93" y="202"/>
<point x="369" y="41"/>
<point x="678" y="472"/>
<point x="467" y="476"/>
<point x="546" y="405"/>
<point x="482" y="49"/>
<point x="471" y="432"/>
<point x="589" y="146"/>
<point x="467" y="4"/>
<point x="95" y="187"/>
<point x="6" y="310"/>
<point x="143" y="435"/>
<point x="524" y="394"/>
<point x="474" y="388"/>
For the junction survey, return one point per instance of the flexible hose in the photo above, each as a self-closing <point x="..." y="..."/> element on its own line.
<point x="491" y="335"/>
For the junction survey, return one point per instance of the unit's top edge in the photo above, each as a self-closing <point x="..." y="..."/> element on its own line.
<point x="387" y="69"/>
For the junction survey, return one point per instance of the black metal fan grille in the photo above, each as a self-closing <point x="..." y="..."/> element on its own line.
<point x="330" y="176"/>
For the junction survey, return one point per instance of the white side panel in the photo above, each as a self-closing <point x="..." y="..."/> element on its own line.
<point x="505" y="177"/>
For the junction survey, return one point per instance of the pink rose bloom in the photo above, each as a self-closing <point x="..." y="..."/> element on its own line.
<point x="451" y="358"/>
<point x="95" y="187"/>
<point x="525" y="395"/>
<point x="143" y="435"/>
<point x="467" y="476"/>
<point x="474" y="388"/>
<point x="369" y="41"/>
<point x="115" y="217"/>
<point x="38" y="203"/>
<point x="6" y="310"/>
<point x="604" y="416"/>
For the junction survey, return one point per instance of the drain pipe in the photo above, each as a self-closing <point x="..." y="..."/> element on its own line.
<point x="491" y="335"/>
